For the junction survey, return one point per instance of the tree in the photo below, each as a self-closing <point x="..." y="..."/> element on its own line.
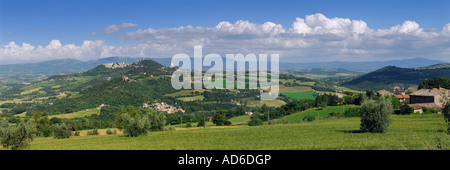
<point x="42" y="123"/>
<point x="220" y="119"/>
<point x="446" y="113"/>
<point x="395" y="102"/>
<point x="135" y="123"/>
<point x="135" y="126"/>
<point x="130" y="111"/>
<point x="18" y="136"/>
<point x="370" y="93"/>
<point x="157" y="120"/>
<point x="62" y="131"/>
<point x="376" y="117"/>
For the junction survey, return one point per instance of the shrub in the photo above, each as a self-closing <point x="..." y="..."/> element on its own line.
<point x="309" y="118"/>
<point x="111" y="132"/>
<point x="272" y="122"/>
<point x="353" y="112"/>
<point x="376" y="117"/>
<point x="428" y="111"/>
<point x="201" y="123"/>
<point x="189" y="124"/>
<point x="47" y="132"/>
<point x="410" y="110"/>
<point x="76" y="133"/>
<point x="255" y="122"/>
<point x="92" y="132"/>
<point x="62" y="131"/>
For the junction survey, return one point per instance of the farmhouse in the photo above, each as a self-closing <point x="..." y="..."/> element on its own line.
<point x="430" y="98"/>
<point x="383" y="93"/>
<point x="403" y="97"/>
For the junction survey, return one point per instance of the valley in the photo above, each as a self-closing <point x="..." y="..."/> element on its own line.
<point x="310" y="103"/>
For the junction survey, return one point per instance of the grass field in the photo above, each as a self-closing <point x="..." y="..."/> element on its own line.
<point x="76" y="114"/>
<point x="270" y="103"/>
<point x="317" y="112"/>
<point x="283" y="88"/>
<point x="193" y="98"/>
<point x="406" y="133"/>
<point x="300" y="95"/>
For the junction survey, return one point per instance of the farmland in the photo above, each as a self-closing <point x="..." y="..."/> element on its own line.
<point x="406" y="133"/>
<point x="300" y="95"/>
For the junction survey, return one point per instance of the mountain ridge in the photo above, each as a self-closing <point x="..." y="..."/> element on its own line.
<point x="390" y="76"/>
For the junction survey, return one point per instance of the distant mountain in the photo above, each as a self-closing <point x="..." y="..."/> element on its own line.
<point x="30" y="72"/>
<point x="390" y="76"/>
<point x="362" y="66"/>
<point x="62" y="66"/>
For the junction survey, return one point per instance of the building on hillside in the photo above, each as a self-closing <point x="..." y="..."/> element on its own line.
<point x="430" y="98"/>
<point x="397" y="89"/>
<point x="402" y="97"/>
<point x="383" y="93"/>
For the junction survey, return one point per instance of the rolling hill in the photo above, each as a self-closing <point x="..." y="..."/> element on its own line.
<point x="367" y="66"/>
<point x="133" y="84"/>
<point x="390" y="76"/>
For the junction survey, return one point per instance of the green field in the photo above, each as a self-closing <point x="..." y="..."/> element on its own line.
<point x="269" y="103"/>
<point x="193" y="98"/>
<point x="316" y="112"/>
<point x="406" y="133"/>
<point x="300" y="95"/>
<point x="76" y="114"/>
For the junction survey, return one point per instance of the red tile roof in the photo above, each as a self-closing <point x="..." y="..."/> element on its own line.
<point x="406" y="96"/>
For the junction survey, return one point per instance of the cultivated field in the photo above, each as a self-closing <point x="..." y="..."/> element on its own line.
<point x="269" y="103"/>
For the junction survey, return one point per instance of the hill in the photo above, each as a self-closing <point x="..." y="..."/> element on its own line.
<point x="390" y="76"/>
<point x="362" y="66"/>
<point x="132" y="84"/>
<point x="332" y="74"/>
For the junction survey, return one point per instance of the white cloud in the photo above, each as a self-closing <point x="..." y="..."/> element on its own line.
<point x="13" y="53"/>
<point x="116" y="28"/>
<point x="313" y="38"/>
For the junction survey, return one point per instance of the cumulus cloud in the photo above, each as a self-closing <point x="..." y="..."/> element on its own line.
<point x="315" y="37"/>
<point x="312" y="38"/>
<point x="116" y="28"/>
<point x="15" y="53"/>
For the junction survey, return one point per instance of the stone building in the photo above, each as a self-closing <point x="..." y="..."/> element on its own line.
<point x="430" y="98"/>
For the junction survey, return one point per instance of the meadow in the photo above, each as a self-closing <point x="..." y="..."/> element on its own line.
<point x="76" y="114"/>
<point x="416" y="132"/>
<point x="300" y="95"/>
<point x="321" y="113"/>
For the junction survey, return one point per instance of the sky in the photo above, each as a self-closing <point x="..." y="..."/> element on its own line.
<point x="299" y="31"/>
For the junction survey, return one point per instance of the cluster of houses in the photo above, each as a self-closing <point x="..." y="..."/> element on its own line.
<point x="434" y="99"/>
<point x="163" y="107"/>
<point x="116" y="65"/>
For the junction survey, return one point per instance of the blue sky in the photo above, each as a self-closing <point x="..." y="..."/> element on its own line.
<point x="38" y="22"/>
